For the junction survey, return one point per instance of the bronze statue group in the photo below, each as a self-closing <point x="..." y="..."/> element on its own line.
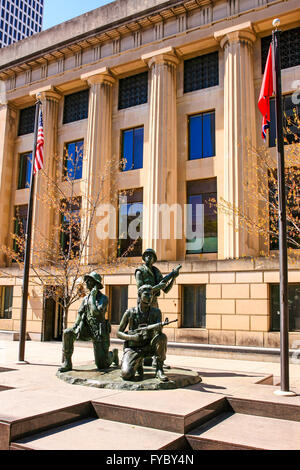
<point x="141" y="327"/>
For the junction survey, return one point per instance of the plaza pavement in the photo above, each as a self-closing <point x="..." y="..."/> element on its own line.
<point x="33" y="399"/>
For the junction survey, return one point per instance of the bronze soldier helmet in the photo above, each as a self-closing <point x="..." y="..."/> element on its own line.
<point x="149" y="251"/>
<point x="96" y="277"/>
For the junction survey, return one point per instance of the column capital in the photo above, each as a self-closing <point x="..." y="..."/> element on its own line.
<point x="8" y="105"/>
<point x="166" y="55"/>
<point x="102" y="75"/>
<point x="235" y="34"/>
<point x="48" y="92"/>
<point x="3" y="97"/>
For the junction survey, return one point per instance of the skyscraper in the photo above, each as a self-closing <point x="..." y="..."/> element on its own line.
<point x="20" y="19"/>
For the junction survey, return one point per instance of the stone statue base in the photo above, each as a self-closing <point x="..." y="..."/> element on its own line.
<point x="89" y="376"/>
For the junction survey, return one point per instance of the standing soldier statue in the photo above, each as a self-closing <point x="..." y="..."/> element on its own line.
<point x="151" y="275"/>
<point x="91" y="325"/>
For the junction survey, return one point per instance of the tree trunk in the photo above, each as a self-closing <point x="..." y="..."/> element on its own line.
<point x="65" y="325"/>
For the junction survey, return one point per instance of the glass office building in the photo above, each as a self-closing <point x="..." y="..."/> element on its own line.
<point x="20" y="19"/>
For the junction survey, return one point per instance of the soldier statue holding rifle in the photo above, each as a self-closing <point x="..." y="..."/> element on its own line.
<point x="144" y="337"/>
<point x="151" y="275"/>
<point x="91" y="324"/>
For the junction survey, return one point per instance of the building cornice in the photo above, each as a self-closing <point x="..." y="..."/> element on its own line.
<point x="71" y="42"/>
<point x="189" y="38"/>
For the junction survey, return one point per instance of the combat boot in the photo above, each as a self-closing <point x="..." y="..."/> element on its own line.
<point x="160" y="375"/>
<point x="116" y="357"/>
<point x="140" y="371"/>
<point x="67" y="366"/>
<point x="154" y="364"/>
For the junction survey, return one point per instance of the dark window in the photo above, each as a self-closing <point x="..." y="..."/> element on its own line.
<point x="118" y="303"/>
<point x="76" y="106"/>
<point x="70" y="227"/>
<point x="292" y="185"/>
<point x="194" y="306"/>
<point x="291" y="126"/>
<point x="6" y="301"/>
<point x="289" y="48"/>
<point x="25" y="170"/>
<point x="26" y="122"/>
<point x="130" y="223"/>
<point x="201" y="72"/>
<point x="20" y="230"/>
<point x="293" y="304"/>
<point x="202" y="224"/>
<point x="202" y="135"/>
<point x="132" y="149"/>
<point x="133" y="90"/>
<point x="73" y="160"/>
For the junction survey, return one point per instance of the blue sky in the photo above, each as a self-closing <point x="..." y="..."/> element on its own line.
<point x="58" y="11"/>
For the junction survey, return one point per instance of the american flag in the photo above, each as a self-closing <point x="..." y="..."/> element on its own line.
<point x="39" y="156"/>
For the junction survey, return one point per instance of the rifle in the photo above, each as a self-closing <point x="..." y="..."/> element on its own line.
<point x="172" y="274"/>
<point x="144" y="328"/>
<point x="166" y="279"/>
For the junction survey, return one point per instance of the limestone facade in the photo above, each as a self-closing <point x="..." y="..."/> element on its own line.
<point x="94" y="52"/>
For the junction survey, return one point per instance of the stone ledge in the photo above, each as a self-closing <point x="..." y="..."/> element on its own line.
<point x="176" y="347"/>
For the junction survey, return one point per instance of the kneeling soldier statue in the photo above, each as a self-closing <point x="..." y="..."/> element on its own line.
<point x="91" y="325"/>
<point x="144" y="338"/>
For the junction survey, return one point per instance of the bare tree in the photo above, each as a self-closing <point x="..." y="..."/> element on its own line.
<point x="262" y="192"/>
<point x="59" y="259"/>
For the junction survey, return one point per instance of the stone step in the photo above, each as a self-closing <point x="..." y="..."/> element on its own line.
<point x="235" y="431"/>
<point x="9" y="335"/>
<point x="99" y="434"/>
<point x="174" y="411"/>
<point x="30" y="412"/>
<point x="268" y="409"/>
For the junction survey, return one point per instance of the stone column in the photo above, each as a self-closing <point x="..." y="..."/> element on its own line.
<point x="8" y="131"/>
<point x="239" y="135"/>
<point x="99" y="165"/>
<point x="44" y="210"/>
<point x="161" y="167"/>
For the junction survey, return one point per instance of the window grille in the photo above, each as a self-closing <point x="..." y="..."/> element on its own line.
<point x="201" y="72"/>
<point x="289" y="48"/>
<point x="76" y="106"/>
<point x="26" y="121"/>
<point x="133" y="90"/>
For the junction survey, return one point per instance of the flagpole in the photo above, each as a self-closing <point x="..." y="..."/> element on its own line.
<point x="22" y="339"/>
<point x="283" y="258"/>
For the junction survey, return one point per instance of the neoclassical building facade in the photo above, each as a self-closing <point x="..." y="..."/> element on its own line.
<point x="169" y="89"/>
